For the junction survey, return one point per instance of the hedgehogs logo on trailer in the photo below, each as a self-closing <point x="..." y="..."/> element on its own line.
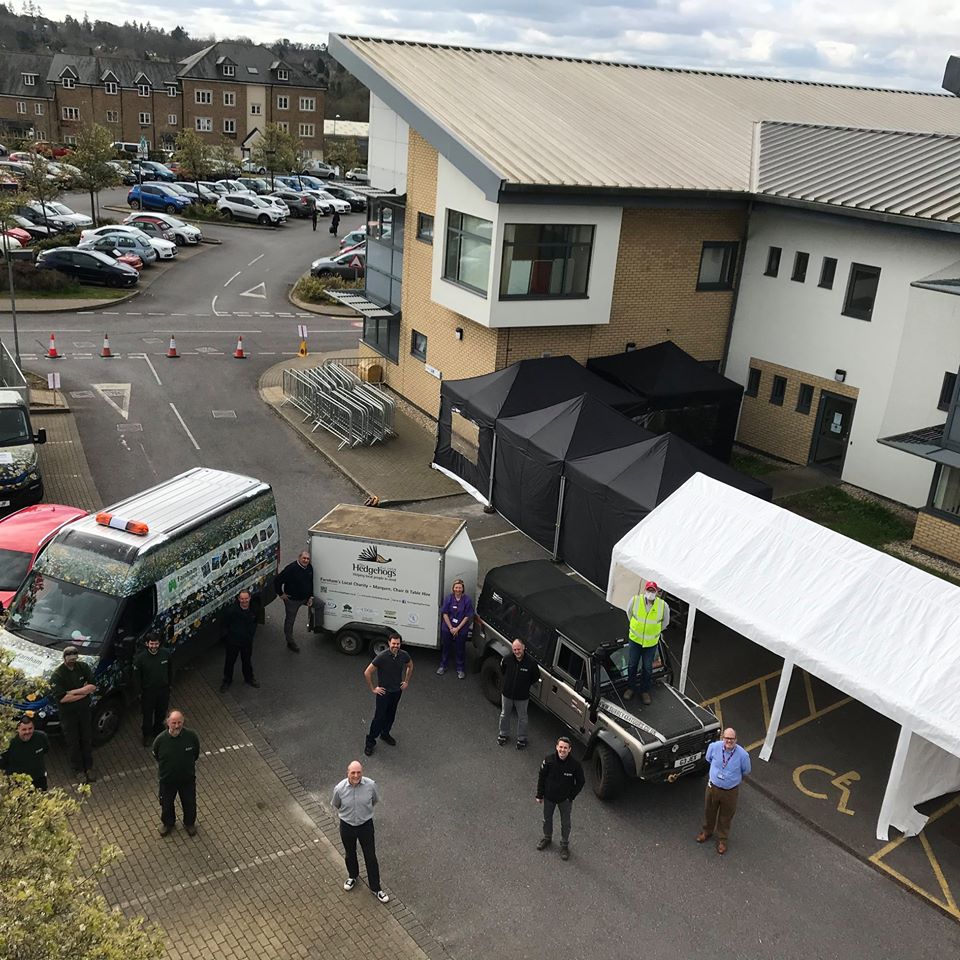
<point x="370" y="562"/>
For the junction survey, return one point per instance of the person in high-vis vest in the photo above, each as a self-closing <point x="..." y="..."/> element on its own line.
<point x="649" y="616"/>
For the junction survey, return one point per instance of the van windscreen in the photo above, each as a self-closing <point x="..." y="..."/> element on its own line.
<point x="13" y="427"/>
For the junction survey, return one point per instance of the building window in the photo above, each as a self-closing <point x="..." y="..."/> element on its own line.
<point x="143" y="90"/>
<point x="383" y="334"/>
<point x="778" y="391"/>
<point x="204" y="124"/>
<point x="68" y="83"/>
<point x="425" y="227"/>
<point x="255" y="109"/>
<point x="29" y="79"/>
<point x="171" y="90"/>
<point x="773" y="262"/>
<point x="545" y="260"/>
<point x="22" y="106"/>
<point x="283" y="103"/>
<point x="861" y="291"/>
<point x="70" y="141"/>
<point x="283" y="126"/>
<point x="38" y="109"/>
<point x="718" y="261"/>
<point x="307" y="129"/>
<point x="70" y="113"/>
<point x="111" y="88"/>
<point x="282" y="74"/>
<point x="308" y="104"/>
<point x="230" y="126"/>
<point x="229" y="70"/>
<point x="800" y="262"/>
<point x="804" y="398"/>
<point x="946" y="390"/>
<point x="418" y="345"/>
<point x="753" y="382"/>
<point x="113" y="116"/>
<point x="467" y="259"/>
<point x="40" y="135"/>
<point x="203" y="96"/>
<point x="828" y="270"/>
<point x="171" y="119"/>
<point x="229" y="98"/>
<point x="946" y="494"/>
<point x="145" y="120"/>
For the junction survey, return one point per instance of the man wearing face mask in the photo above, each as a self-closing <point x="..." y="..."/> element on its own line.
<point x="649" y="616"/>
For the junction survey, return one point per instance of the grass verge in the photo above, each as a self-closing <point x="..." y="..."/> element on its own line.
<point x="752" y="466"/>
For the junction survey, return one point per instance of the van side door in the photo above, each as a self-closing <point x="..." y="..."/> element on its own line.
<point x="567" y="689"/>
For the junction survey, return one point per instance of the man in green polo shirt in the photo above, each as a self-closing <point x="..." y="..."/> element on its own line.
<point x="177" y="750"/>
<point x="25" y="753"/>
<point x="71" y="688"/>
<point x="152" y="679"/>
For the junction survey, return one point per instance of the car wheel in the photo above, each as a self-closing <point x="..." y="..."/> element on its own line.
<point x="490" y="679"/>
<point x="263" y="219"/>
<point x="107" y="715"/>
<point x="134" y="204"/>
<point x="229" y="213"/>
<point x="169" y="208"/>
<point x="608" y="775"/>
<point x="323" y="273"/>
<point x="350" y="643"/>
<point x="379" y="645"/>
<point x="179" y="241"/>
<point x="114" y="282"/>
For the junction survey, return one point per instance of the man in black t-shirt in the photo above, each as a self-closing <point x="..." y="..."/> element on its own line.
<point x="393" y="668"/>
<point x="25" y="753"/>
<point x="241" y="624"/>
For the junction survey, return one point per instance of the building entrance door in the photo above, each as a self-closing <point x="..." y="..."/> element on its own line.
<point x="832" y="431"/>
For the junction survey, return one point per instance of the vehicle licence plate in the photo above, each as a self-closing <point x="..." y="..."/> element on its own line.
<point x="693" y="758"/>
<point x="4" y="503"/>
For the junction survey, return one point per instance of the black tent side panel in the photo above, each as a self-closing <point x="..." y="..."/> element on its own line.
<point x="477" y="474"/>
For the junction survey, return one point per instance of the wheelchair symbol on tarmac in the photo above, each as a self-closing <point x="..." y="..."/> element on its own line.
<point x="841" y="781"/>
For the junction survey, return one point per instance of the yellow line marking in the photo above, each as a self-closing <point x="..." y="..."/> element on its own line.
<point x="840" y="783"/>
<point x="916" y="888"/>
<point x="893" y="844"/>
<point x="799" y="723"/>
<point x="938" y="873"/>
<point x="744" y="686"/>
<point x="811" y="703"/>
<point x="765" y="704"/>
<point x="798" y="779"/>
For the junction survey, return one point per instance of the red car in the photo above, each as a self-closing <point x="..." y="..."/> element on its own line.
<point x="23" y="535"/>
<point x="18" y="233"/>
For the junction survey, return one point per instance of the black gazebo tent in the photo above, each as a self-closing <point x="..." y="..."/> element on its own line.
<point x="605" y="495"/>
<point x="532" y="448"/>
<point x="523" y="386"/>
<point x="677" y="394"/>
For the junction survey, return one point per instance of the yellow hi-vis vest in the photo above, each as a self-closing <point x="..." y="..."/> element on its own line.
<point x="646" y="626"/>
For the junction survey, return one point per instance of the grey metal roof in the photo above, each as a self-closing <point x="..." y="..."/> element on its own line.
<point x="90" y="70"/>
<point x="12" y="68"/>
<point x="206" y="65"/>
<point x="516" y="119"/>
<point x="890" y="171"/>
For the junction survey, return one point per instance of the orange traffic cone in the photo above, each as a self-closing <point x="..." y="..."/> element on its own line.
<point x="52" y="349"/>
<point x="172" y="349"/>
<point x="238" y="354"/>
<point x="105" y="349"/>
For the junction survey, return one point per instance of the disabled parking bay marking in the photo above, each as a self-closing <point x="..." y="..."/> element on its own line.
<point x="841" y="781"/>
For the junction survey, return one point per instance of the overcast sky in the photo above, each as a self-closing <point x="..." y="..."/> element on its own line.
<point x="897" y="43"/>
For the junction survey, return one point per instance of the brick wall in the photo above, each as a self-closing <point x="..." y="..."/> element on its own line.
<point x="781" y="430"/>
<point x="8" y="112"/>
<point x="938" y="536"/>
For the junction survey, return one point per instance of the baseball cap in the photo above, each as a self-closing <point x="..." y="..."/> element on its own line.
<point x="651" y="585"/>
<point x="71" y="651"/>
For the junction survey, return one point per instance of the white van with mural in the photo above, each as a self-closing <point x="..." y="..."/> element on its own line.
<point x="169" y="560"/>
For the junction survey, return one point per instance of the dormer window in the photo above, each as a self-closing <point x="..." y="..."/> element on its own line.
<point x="143" y="89"/>
<point x="29" y="79"/>
<point x="282" y="74"/>
<point x="229" y="70"/>
<point x="68" y="83"/>
<point x="112" y="88"/>
<point x="171" y="89"/>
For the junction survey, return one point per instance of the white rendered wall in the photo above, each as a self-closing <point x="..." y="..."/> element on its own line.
<point x="801" y="326"/>
<point x="387" y="148"/>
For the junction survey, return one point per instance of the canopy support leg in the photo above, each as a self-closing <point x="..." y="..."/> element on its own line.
<point x="893" y="782"/>
<point x="687" y="643"/>
<point x="493" y="467"/>
<point x="556" y="535"/>
<point x="766" y="751"/>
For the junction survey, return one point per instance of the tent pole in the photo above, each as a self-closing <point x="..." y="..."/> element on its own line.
<point x="893" y="783"/>
<point x="767" y="749"/>
<point x="556" y="536"/>
<point x="493" y="466"/>
<point x="687" y="643"/>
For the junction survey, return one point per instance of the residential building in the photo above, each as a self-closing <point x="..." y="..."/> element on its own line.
<point x="25" y="97"/>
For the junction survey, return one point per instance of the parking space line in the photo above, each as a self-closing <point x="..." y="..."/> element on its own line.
<point x="765" y="703"/>
<point x="744" y="686"/>
<point x="938" y="873"/>
<point x="790" y="727"/>
<point x="186" y="429"/>
<point x="808" y="686"/>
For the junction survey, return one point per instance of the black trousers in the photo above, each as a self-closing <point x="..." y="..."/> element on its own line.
<point x="188" y="802"/>
<point x="153" y="710"/>
<point x="76" y="725"/>
<point x="244" y="651"/>
<point x="383" y="715"/>
<point x="349" y="835"/>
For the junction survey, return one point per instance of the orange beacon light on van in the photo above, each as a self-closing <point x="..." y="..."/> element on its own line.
<point x="119" y="523"/>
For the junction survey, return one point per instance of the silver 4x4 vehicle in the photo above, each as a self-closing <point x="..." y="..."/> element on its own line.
<point x="580" y="643"/>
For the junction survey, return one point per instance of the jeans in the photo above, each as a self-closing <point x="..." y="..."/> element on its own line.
<point x="639" y="654"/>
<point x="188" y="802"/>
<point x="384" y="714"/>
<point x="448" y="642"/>
<point x="76" y="724"/>
<point x="244" y="651"/>
<point x="153" y="710"/>
<point x="719" y="807"/>
<point x="291" y="608"/>
<point x="507" y="706"/>
<point x="349" y="835"/>
<point x="564" y="806"/>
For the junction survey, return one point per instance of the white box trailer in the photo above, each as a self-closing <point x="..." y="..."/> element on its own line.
<point x="380" y="570"/>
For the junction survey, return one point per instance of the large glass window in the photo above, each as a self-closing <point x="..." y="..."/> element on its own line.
<point x="467" y="259"/>
<point x="384" y="266"/>
<point x="718" y="263"/>
<point x="383" y="334"/>
<point x="946" y="496"/>
<point x="861" y="291"/>
<point x="545" y="260"/>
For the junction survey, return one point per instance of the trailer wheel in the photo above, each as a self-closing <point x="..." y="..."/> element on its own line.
<point x="107" y="715"/>
<point x="379" y="645"/>
<point x="350" y="643"/>
<point x="490" y="680"/>
<point x="608" y="775"/>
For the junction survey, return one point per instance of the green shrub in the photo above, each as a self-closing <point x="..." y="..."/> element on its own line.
<point x="70" y="239"/>
<point x="28" y="279"/>
<point x="202" y="211"/>
<point x="314" y="289"/>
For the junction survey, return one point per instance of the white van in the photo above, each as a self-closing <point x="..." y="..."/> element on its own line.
<point x="169" y="560"/>
<point x="20" y="481"/>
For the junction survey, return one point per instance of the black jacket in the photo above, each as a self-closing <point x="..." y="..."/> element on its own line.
<point x="241" y="624"/>
<point x="518" y="676"/>
<point x="559" y="779"/>
<point x="295" y="581"/>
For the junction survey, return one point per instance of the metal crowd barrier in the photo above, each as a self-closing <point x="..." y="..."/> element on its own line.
<point x="357" y="413"/>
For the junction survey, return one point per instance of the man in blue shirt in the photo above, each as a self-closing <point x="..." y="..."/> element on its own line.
<point x="729" y="764"/>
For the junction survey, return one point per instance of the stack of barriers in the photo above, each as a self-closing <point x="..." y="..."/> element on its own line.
<point x="356" y="412"/>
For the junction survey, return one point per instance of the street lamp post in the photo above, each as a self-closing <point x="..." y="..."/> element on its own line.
<point x="270" y="155"/>
<point x="335" y="119"/>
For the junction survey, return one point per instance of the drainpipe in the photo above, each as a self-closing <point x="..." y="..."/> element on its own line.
<point x="736" y="290"/>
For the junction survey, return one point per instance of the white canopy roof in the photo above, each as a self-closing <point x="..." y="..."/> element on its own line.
<point x="880" y="630"/>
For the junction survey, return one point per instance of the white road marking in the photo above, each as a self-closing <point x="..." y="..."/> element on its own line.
<point x="491" y="536"/>
<point x="186" y="429"/>
<point x="195" y="330"/>
<point x="267" y="353"/>
<point x="234" y="277"/>
<point x="254" y="260"/>
<point x="153" y="369"/>
<point x="213" y="307"/>
<point x="179" y="314"/>
<point x="130" y="313"/>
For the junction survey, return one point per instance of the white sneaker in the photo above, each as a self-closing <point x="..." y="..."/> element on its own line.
<point x="461" y="675"/>
<point x="349" y="883"/>
<point x="441" y="671"/>
<point x="382" y="897"/>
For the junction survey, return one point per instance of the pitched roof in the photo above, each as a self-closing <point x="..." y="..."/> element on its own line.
<point x="12" y="68"/>
<point x="510" y="119"/>
<point x="206" y="64"/>
<point x="90" y="70"/>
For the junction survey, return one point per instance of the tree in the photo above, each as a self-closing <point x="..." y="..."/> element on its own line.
<point x="191" y="154"/>
<point x="38" y="184"/>
<point x="276" y="150"/>
<point x="223" y="158"/>
<point x="342" y="152"/>
<point x="94" y="148"/>
<point x="49" y="905"/>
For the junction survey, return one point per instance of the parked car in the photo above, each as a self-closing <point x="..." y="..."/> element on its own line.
<point x="356" y="200"/>
<point x="321" y="196"/>
<point x="153" y="170"/>
<point x="197" y="193"/>
<point x="126" y="241"/>
<point x="88" y="266"/>
<point x="257" y="184"/>
<point x="19" y="234"/>
<point x="318" y="168"/>
<point x="156" y="196"/>
<point x="246" y="206"/>
<point x="43" y="216"/>
<point x="182" y="233"/>
<point x="23" y="535"/>
<point x="217" y="189"/>
<point x="299" y="204"/>
<point x="359" y="174"/>
<point x="235" y="186"/>
<point x="8" y="244"/>
<point x="350" y="266"/>
<point x="279" y="205"/>
<point x="354" y="237"/>
<point x="248" y="166"/>
<point x="80" y="220"/>
<point x="165" y="249"/>
<point x="152" y="228"/>
<point x="127" y="176"/>
<point x="130" y="259"/>
<point x="37" y="231"/>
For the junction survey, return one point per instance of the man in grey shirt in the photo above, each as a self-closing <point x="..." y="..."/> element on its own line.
<point x="354" y="799"/>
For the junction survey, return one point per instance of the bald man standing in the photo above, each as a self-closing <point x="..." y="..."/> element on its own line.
<point x="729" y="764"/>
<point x="177" y="750"/>
<point x="354" y="798"/>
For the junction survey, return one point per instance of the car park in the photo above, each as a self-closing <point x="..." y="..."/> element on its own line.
<point x="246" y="206"/>
<point x="357" y="201"/>
<point x="318" y="168"/>
<point x="197" y="193"/>
<point x="339" y="206"/>
<point x="182" y="233"/>
<point x="152" y="170"/>
<point x="23" y="535"/>
<point x="354" y="237"/>
<point x="257" y="184"/>
<point x="156" y="196"/>
<point x="87" y="266"/>
<point x="300" y="205"/>
<point x="122" y="239"/>
<point x="349" y="266"/>
<point x="359" y="174"/>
